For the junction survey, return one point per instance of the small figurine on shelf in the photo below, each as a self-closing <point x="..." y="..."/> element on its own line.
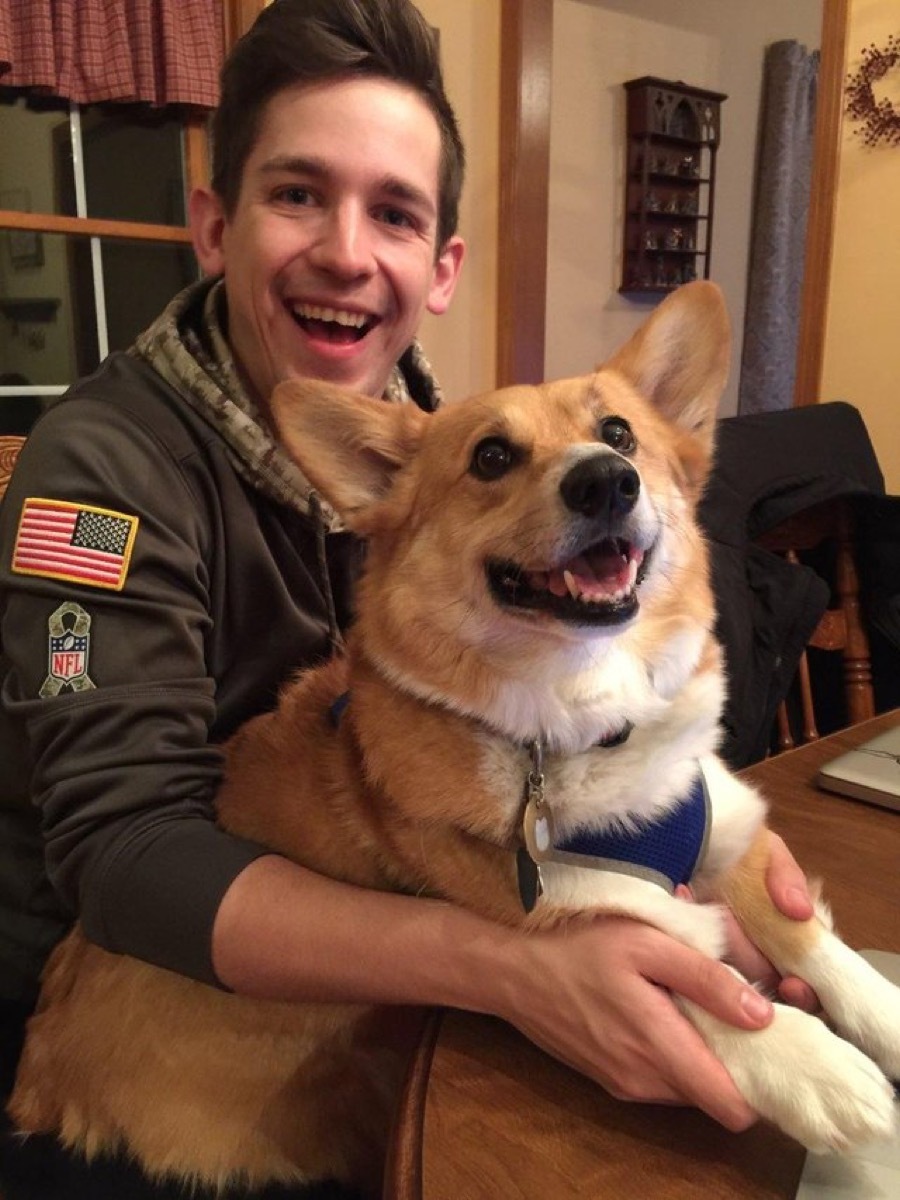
<point x="651" y="202"/>
<point x="650" y="242"/>
<point x="688" y="166"/>
<point x="674" y="239"/>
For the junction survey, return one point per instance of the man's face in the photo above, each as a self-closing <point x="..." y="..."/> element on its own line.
<point x="329" y="257"/>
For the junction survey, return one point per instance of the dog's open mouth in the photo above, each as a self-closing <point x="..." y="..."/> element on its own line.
<point x="596" y="587"/>
<point x="333" y="325"/>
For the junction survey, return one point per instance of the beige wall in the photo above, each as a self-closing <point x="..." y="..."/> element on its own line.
<point x="462" y="343"/>
<point x="862" y="341"/>
<point x="717" y="44"/>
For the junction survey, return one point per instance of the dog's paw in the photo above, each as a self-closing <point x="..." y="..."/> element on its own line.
<point x="816" y="1087"/>
<point x="860" y="1002"/>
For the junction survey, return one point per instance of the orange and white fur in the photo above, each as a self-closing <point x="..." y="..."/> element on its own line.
<point x="534" y="572"/>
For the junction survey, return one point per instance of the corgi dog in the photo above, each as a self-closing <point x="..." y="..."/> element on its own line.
<point x="524" y="722"/>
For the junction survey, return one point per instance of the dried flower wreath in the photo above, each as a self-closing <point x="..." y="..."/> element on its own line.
<point x="880" y="120"/>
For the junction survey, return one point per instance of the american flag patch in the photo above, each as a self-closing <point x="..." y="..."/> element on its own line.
<point x="75" y="542"/>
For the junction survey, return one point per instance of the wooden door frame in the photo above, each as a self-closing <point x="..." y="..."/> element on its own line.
<point x="822" y="203"/>
<point x="526" y="69"/>
<point x="526" y="79"/>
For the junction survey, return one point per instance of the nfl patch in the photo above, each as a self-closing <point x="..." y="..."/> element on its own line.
<point x="75" y="542"/>
<point x="69" y="650"/>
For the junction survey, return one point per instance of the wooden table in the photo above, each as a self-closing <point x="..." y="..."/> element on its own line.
<point x="487" y="1116"/>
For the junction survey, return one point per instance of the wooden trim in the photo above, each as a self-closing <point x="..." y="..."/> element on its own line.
<point x="196" y="153"/>
<point x="823" y="198"/>
<point x="91" y="227"/>
<point x="239" y="15"/>
<point x="526" y="39"/>
<point x="403" y="1169"/>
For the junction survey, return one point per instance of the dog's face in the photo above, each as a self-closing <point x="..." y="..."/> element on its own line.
<point x="534" y="520"/>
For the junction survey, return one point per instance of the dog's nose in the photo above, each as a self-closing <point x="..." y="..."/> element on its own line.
<point x="603" y="483"/>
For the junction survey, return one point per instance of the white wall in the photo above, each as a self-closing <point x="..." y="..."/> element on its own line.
<point x="597" y="45"/>
<point x="462" y="344"/>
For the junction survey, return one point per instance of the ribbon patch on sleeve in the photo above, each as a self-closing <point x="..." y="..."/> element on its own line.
<point x="75" y="542"/>
<point x="68" y="652"/>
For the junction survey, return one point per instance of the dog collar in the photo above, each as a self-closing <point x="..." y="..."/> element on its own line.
<point x="615" y="739"/>
<point x="339" y="706"/>
<point x="665" y="851"/>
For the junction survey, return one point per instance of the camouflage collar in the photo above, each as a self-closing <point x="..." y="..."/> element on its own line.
<point x="187" y="346"/>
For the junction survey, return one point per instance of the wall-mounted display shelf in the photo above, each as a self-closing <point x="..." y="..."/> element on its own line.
<point x="671" y="138"/>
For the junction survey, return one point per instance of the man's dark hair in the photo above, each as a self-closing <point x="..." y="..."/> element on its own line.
<point x="309" y="41"/>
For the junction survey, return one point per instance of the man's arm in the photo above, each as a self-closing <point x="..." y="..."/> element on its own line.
<point x="594" y="995"/>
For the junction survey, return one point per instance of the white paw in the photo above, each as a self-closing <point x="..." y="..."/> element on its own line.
<point x="812" y="1084"/>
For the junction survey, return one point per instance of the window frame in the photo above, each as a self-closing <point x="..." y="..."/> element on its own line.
<point x="237" y="17"/>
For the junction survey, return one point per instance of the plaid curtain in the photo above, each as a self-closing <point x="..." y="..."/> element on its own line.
<point x="154" y="51"/>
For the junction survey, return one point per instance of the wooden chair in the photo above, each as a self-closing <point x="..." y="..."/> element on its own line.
<point x="10" y="445"/>
<point x="841" y="628"/>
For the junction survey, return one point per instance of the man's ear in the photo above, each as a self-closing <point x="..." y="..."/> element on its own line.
<point x="679" y="358"/>
<point x="207" y="219"/>
<point x="348" y="446"/>
<point x="446" y="273"/>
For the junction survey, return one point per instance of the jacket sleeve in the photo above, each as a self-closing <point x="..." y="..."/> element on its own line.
<point x="122" y="767"/>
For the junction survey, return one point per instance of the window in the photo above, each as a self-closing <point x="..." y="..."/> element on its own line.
<point x="93" y="241"/>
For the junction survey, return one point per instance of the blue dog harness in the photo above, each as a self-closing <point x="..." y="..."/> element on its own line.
<point x="665" y="851"/>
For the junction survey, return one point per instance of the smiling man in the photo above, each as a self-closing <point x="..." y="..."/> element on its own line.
<point x="155" y="524"/>
<point x="334" y="247"/>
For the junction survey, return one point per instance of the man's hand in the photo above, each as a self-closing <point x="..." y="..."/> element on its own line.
<point x="609" y="1013"/>
<point x="596" y="995"/>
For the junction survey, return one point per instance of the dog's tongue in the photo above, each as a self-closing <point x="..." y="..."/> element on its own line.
<point x="599" y="572"/>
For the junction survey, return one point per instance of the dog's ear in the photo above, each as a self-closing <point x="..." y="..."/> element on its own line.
<point x="348" y="446"/>
<point x="679" y="358"/>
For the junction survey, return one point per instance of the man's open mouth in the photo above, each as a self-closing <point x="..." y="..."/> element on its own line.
<point x="336" y="325"/>
<point x="596" y="587"/>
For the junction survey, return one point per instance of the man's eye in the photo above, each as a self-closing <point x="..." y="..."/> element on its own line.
<point x="492" y="458"/>
<point x="398" y="218"/>
<point x="296" y="195"/>
<point x="616" y="432"/>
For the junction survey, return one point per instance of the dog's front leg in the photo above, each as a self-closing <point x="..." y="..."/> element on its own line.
<point x="862" y="1005"/>
<point x="814" y="1085"/>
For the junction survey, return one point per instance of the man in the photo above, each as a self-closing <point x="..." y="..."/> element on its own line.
<point x="330" y="228"/>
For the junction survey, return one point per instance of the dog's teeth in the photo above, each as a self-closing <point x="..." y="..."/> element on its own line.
<point x="571" y="585"/>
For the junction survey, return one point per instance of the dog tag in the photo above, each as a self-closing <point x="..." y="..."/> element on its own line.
<point x="537" y="828"/>
<point x="531" y="886"/>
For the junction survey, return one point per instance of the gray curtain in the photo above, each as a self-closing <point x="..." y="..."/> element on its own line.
<point x="781" y="204"/>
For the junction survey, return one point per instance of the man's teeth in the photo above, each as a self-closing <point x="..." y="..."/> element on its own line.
<point x="313" y="312"/>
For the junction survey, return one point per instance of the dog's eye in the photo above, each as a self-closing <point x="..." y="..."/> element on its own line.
<point x="491" y="459"/>
<point x="616" y="432"/>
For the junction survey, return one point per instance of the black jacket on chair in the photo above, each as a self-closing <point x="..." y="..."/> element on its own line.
<point x="768" y="467"/>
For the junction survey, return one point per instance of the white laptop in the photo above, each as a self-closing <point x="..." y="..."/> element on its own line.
<point x="870" y="772"/>
<point x="872" y="1173"/>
